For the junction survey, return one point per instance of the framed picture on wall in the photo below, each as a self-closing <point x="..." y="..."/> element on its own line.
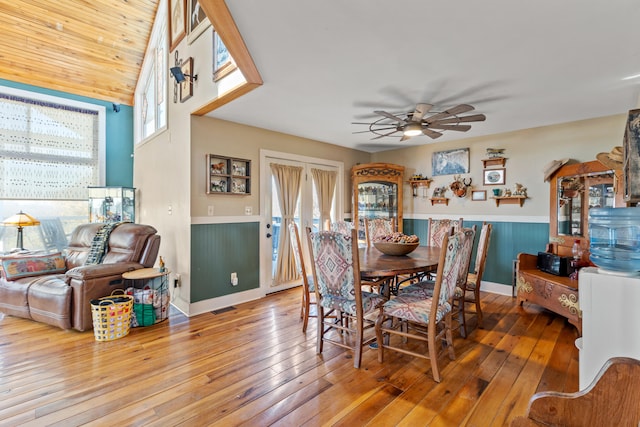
<point x="198" y="21"/>
<point x="177" y="22"/>
<point x="186" y="87"/>
<point x="479" y="195"/>
<point x="450" y="162"/>
<point x="223" y="63"/>
<point x="494" y="176"/>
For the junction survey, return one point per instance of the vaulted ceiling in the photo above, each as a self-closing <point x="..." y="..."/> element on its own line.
<point x="92" y="48"/>
<point x="326" y="64"/>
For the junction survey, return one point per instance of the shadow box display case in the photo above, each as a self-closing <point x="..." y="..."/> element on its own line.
<point x="228" y="175"/>
<point x="112" y="204"/>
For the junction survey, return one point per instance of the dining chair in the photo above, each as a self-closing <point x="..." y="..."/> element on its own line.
<point x="343" y="227"/>
<point x="438" y="228"/>
<point x="426" y="288"/>
<point x="336" y="273"/>
<point x="308" y="287"/>
<point x="375" y="227"/>
<point x="470" y="292"/>
<point x="424" y="318"/>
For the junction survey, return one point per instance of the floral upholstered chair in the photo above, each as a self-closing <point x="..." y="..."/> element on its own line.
<point x="336" y="273"/>
<point x="308" y="288"/>
<point x="426" y="318"/>
<point x="375" y="227"/>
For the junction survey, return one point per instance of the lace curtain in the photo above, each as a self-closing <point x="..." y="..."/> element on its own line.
<point x="47" y="151"/>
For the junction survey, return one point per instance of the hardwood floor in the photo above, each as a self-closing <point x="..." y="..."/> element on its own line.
<point x="253" y="366"/>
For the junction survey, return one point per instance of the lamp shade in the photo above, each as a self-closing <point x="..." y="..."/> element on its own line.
<point x="20" y="219"/>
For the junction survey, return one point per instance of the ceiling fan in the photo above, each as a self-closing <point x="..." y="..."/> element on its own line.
<point x="419" y="122"/>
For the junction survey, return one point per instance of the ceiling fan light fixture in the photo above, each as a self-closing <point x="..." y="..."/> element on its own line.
<point x="412" y="129"/>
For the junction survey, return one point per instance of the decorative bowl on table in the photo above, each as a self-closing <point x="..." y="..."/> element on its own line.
<point x="396" y="244"/>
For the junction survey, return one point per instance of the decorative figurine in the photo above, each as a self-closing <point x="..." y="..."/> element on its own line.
<point x="161" y="262"/>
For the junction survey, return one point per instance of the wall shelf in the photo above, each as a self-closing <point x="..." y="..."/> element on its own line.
<point x="439" y="201"/>
<point x="494" y="161"/>
<point x="510" y="200"/>
<point x="416" y="183"/>
<point x="227" y="175"/>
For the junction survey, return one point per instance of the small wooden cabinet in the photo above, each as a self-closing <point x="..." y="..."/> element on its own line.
<point x="228" y="175"/>
<point x="555" y="293"/>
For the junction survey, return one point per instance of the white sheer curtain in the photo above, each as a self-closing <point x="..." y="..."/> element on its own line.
<point x="325" y="181"/>
<point x="47" y="151"/>
<point x="287" y="179"/>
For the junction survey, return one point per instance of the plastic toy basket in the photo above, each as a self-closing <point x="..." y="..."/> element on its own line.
<point x="111" y="316"/>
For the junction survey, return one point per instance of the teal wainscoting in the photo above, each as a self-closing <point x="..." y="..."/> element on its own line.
<point x="217" y="250"/>
<point x="508" y="239"/>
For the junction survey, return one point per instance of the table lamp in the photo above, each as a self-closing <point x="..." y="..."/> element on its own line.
<point x="20" y="220"/>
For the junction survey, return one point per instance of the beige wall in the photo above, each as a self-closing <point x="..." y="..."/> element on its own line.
<point x="213" y="136"/>
<point x="527" y="153"/>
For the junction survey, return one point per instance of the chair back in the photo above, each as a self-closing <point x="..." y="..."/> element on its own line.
<point x="448" y="268"/>
<point x="481" y="253"/>
<point x="465" y="254"/>
<point x="375" y="227"/>
<point x="343" y="227"/>
<point x="297" y="253"/>
<point x="336" y="268"/>
<point x="438" y="228"/>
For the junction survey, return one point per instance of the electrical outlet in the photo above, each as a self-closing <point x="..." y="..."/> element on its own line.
<point x="248" y="210"/>
<point x="210" y="210"/>
<point x="234" y="279"/>
<point x="177" y="281"/>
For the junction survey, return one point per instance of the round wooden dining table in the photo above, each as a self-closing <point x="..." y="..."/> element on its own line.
<point x="375" y="264"/>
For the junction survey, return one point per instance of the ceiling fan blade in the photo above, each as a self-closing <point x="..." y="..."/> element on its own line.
<point x="472" y="118"/>
<point x="377" y="130"/>
<point x="386" y="134"/>
<point x="390" y="116"/>
<point x="420" y="111"/>
<point x="460" y="128"/>
<point x="459" y="109"/>
<point x="431" y="133"/>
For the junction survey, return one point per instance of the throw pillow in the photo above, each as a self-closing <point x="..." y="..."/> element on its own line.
<point x="16" y="268"/>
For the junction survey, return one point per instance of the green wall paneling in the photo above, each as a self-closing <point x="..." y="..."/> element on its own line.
<point x="508" y="239"/>
<point x="217" y="250"/>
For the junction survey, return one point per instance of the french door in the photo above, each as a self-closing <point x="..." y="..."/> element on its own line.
<point x="307" y="213"/>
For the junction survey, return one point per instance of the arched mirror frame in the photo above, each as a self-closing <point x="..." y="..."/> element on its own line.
<point x="587" y="173"/>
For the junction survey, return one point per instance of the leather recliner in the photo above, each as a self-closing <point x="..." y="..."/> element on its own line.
<point x="64" y="299"/>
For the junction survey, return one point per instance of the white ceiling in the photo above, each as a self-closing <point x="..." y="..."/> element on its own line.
<point x="524" y="64"/>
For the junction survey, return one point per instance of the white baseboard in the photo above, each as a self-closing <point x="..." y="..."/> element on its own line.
<point x="496" y="288"/>
<point x="224" y="301"/>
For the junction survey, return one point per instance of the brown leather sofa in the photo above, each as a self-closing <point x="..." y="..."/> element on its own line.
<point x="63" y="299"/>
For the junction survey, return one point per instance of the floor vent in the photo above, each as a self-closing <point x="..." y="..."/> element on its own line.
<point x="223" y="310"/>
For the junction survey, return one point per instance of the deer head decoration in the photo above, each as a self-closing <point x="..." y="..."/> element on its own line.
<point x="460" y="185"/>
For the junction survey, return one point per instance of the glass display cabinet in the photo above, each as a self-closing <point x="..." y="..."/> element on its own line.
<point x="112" y="204"/>
<point x="576" y="188"/>
<point x="377" y="193"/>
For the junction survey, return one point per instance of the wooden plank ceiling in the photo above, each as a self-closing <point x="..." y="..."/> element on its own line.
<point x="92" y="48"/>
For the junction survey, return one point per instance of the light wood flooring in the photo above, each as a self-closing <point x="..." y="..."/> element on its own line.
<point x="253" y="366"/>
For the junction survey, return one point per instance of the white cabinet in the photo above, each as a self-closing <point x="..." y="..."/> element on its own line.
<point x="610" y="320"/>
